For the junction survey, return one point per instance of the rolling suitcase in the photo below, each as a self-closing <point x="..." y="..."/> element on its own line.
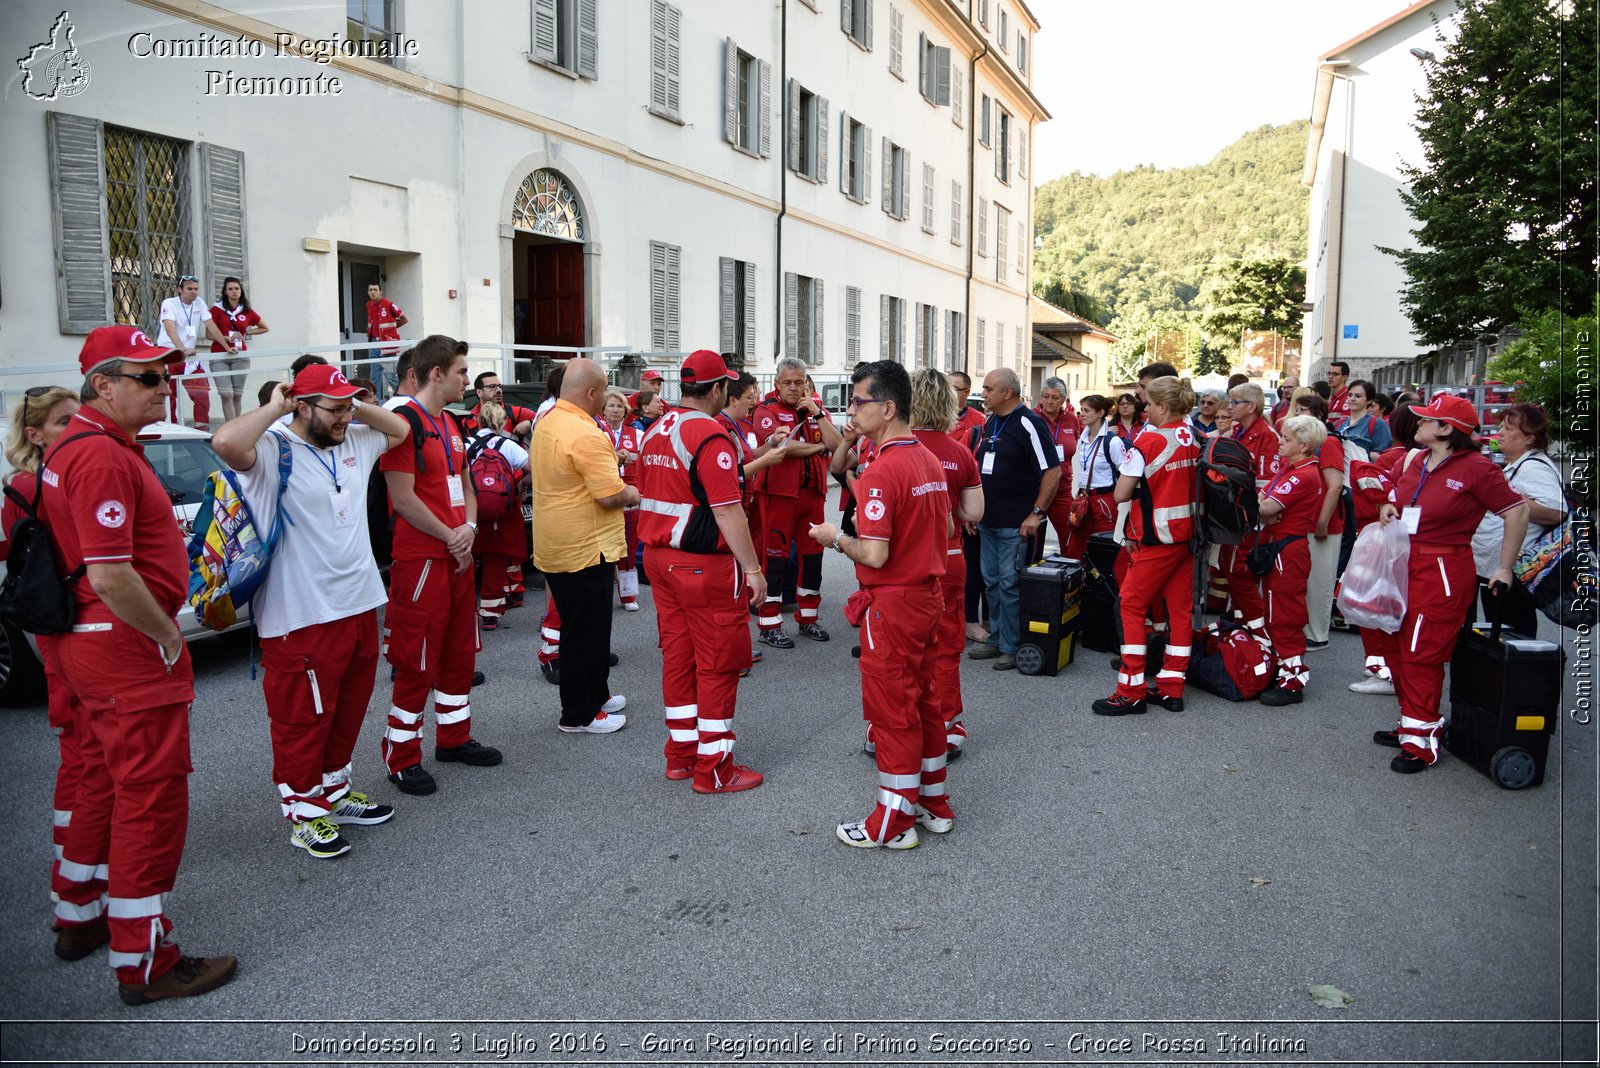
<point x="1505" y="698"/>
<point x="1101" y="621"/>
<point x="1049" y="605"/>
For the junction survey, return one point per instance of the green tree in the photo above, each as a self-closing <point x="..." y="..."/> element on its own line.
<point x="1505" y="196"/>
<point x="1552" y="362"/>
<point x="1263" y="293"/>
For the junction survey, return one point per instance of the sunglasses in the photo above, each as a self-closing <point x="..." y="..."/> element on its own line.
<point x="182" y="278"/>
<point x="147" y="379"/>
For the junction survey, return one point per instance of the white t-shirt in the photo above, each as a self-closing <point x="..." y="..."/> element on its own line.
<point x="1090" y="469"/>
<point x="323" y="568"/>
<point x="1533" y="474"/>
<point x="514" y="453"/>
<point x="190" y="321"/>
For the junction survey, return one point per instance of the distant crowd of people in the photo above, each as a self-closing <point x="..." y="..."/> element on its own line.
<point x="716" y="501"/>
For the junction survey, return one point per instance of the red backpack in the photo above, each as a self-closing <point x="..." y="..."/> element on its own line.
<point x="493" y="480"/>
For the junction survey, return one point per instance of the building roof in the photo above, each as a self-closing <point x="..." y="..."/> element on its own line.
<point x="1049" y="319"/>
<point x="1049" y="350"/>
<point x="1399" y="16"/>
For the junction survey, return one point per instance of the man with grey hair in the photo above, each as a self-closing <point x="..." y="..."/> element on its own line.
<point x="110" y="520"/>
<point x="1020" y="471"/>
<point x="1204" y="416"/>
<point x="792" y="495"/>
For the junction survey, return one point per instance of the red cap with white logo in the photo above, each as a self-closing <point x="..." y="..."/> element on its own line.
<point x="107" y="343"/>
<point x="324" y="380"/>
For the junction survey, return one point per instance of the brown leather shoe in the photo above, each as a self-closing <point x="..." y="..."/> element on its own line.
<point x="80" y="940"/>
<point x="190" y="976"/>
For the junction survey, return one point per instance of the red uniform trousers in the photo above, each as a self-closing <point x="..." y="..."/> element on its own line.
<point x="1059" y="510"/>
<point x="900" y="699"/>
<point x="703" y="628"/>
<point x="627" y="574"/>
<point x="318" y="682"/>
<point x="1156" y="573"/>
<point x="550" y="630"/>
<point x="1285" y="590"/>
<point x="66" y="719"/>
<point x="787" y="520"/>
<point x="199" y="390"/>
<point x="1101" y="518"/>
<point x="433" y="642"/>
<point x="497" y="548"/>
<point x="1443" y="582"/>
<point x="1372" y="644"/>
<point x="132" y="810"/>
<point x="1244" y="588"/>
<point x="952" y="639"/>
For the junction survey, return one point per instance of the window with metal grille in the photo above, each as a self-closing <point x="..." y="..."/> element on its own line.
<point x="566" y="35"/>
<point x="147" y="222"/>
<point x="665" y="263"/>
<point x="371" y="21"/>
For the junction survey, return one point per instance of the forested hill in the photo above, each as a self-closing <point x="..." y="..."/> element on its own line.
<point x="1141" y="241"/>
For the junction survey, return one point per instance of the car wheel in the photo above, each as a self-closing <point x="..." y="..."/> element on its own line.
<point x="21" y="674"/>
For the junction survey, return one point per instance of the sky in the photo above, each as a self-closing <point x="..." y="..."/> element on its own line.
<point x="1173" y="82"/>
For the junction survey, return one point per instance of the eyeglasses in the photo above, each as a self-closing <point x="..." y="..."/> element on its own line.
<point x="147" y="379"/>
<point x="335" y="412"/>
<point x="857" y="402"/>
<point x="1236" y="400"/>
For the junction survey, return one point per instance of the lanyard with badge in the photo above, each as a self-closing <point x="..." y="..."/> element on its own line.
<point x="338" y="500"/>
<point x="994" y="443"/>
<point x="1411" y="515"/>
<point x="458" y="497"/>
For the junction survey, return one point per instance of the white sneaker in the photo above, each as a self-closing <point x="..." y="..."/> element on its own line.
<point x="630" y="606"/>
<point x="603" y="723"/>
<point x="616" y="704"/>
<point x="855" y="834"/>
<point x="1373" y="684"/>
<point x="936" y="824"/>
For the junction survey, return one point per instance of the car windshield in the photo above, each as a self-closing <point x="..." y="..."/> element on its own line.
<point x="182" y="465"/>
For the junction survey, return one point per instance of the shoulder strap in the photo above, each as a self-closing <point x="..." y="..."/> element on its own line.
<point x="38" y="481"/>
<point x="1412" y="455"/>
<point x="408" y="412"/>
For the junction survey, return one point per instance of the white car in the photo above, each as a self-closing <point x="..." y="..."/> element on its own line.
<point x="181" y="457"/>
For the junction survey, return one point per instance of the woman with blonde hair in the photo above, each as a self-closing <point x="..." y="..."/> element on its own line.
<point x="1290" y="509"/>
<point x="41" y="418"/>
<point x="1158" y="479"/>
<point x="933" y="413"/>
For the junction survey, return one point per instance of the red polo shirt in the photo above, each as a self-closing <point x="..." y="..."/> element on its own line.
<point x="105" y="505"/>
<point x="515" y="414"/>
<point x="1299" y="490"/>
<point x="1453" y="497"/>
<point x="902" y="499"/>
<point x="1331" y="458"/>
<point x="960" y="472"/>
<point x="444" y="456"/>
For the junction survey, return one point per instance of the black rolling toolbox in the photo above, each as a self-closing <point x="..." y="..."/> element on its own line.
<point x="1100" y="610"/>
<point x="1505" y="698"/>
<point x="1050" y="608"/>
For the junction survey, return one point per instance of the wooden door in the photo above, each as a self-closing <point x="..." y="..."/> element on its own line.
<point x="555" y="295"/>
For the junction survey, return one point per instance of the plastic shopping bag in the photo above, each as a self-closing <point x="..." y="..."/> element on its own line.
<point x="1373" y="590"/>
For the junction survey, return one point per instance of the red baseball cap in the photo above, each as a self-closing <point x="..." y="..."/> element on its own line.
<point x="324" y="380"/>
<point x="702" y="367"/>
<point x="107" y="343"/>
<point x="1456" y="411"/>
<point x="651" y="375"/>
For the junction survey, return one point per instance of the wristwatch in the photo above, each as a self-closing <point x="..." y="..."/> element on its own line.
<point x="1038" y="511"/>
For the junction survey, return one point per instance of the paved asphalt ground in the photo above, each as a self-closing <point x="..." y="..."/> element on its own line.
<point x="1177" y="875"/>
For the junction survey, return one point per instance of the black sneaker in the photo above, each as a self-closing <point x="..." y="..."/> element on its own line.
<point x="1406" y="764"/>
<point x="1117" y="705"/>
<point x="815" y="632"/>
<point x="1171" y="704"/>
<point x="613" y="660"/>
<point x="1388" y="738"/>
<point x="534" y="581"/>
<point x="775" y="638"/>
<point x="477" y="678"/>
<point x="474" y="753"/>
<point x="413" y="780"/>
<point x="855" y="651"/>
<point x="551" y="670"/>
<point x="1276" y="696"/>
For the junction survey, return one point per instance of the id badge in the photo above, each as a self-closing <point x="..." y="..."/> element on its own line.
<point x="988" y="463"/>
<point x="1412" y="518"/>
<point x="1061" y="453"/>
<point x="457" y="498"/>
<point x="340" y="502"/>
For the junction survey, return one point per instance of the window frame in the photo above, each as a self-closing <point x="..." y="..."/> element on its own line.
<point x="855" y="21"/>
<point x="575" y="30"/>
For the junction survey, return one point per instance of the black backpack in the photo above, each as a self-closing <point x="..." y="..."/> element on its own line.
<point x="1227" y="491"/>
<point x="35" y="596"/>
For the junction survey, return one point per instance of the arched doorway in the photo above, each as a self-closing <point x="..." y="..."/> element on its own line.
<point x="549" y="232"/>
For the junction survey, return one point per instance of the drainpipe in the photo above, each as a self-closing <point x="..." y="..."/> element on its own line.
<point x="783" y="178"/>
<point x="972" y="199"/>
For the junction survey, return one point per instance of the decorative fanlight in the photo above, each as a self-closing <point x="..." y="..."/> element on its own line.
<point x="545" y="204"/>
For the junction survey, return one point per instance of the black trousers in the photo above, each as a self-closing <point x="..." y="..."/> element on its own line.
<point x="976" y="602"/>
<point x="584" y="598"/>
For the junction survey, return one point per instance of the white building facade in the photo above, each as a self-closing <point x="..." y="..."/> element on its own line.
<point x="839" y="180"/>
<point x="1361" y="132"/>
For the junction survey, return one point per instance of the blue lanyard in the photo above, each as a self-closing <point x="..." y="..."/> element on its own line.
<point x="994" y="439"/>
<point x="449" y="458"/>
<point x="1423" y="481"/>
<point x="331" y="466"/>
